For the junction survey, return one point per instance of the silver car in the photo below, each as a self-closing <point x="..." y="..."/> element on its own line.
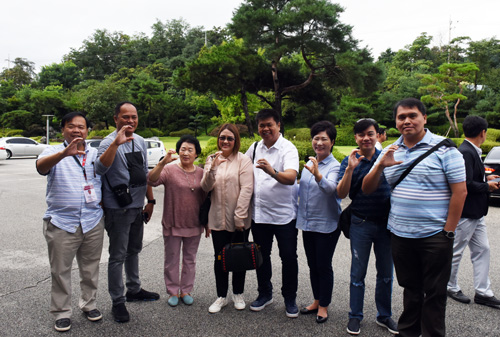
<point x="21" y="147"/>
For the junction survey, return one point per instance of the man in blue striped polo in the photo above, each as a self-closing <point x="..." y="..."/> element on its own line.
<point x="73" y="223"/>
<point x="425" y="210"/>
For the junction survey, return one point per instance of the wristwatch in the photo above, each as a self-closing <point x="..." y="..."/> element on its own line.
<point x="152" y="201"/>
<point x="275" y="173"/>
<point x="449" y="235"/>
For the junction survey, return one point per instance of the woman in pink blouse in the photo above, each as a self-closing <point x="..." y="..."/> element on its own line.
<point x="229" y="175"/>
<point x="181" y="226"/>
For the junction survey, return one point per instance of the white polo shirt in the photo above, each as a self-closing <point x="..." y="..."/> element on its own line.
<point x="274" y="203"/>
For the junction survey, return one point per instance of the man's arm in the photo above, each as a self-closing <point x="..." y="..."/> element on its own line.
<point x="373" y="179"/>
<point x="457" y="200"/>
<point x="344" y="185"/>
<point x="108" y="156"/>
<point x="45" y="164"/>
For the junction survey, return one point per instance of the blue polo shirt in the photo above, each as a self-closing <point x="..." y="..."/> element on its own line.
<point x="368" y="205"/>
<point x="319" y="206"/>
<point x="419" y="204"/>
<point x="67" y="208"/>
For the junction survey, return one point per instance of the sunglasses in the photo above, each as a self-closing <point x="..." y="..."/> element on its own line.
<point x="367" y="119"/>
<point x="224" y="138"/>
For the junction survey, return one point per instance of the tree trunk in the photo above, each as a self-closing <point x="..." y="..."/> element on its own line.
<point x="277" y="94"/>
<point x="244" y="104"/>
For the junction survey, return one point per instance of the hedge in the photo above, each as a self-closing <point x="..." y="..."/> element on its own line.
<point x="182" y="132"/>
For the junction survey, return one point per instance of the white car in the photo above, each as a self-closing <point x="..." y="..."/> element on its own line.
<point x="156" y="151"/>
<point x="21" y="147"/>
<point x="3" y="153"/>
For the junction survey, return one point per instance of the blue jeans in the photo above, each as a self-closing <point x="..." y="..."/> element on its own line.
<point x="286" y="235"/>
<point x="125" y="231"/>
<point x="363" y="234"/>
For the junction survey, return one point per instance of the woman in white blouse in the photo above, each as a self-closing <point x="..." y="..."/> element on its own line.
<point x="229" y="175"/>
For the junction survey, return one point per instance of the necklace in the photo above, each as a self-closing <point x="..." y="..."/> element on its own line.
<point x="187" y="179"/>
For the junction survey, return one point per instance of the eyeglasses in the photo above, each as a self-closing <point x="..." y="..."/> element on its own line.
<point x="224" y="138"/>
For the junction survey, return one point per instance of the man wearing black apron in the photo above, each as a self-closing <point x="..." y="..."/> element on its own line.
<point x="123" y="164"/>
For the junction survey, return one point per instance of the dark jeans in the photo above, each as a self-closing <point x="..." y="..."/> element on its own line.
<point x="423" y="269"/>
<point x="319" y="249"/>
<point x="125" y="231"/>
<point x="286" y="235"/>
<point x="365" y="234"/>
<point x="219" y="240"/>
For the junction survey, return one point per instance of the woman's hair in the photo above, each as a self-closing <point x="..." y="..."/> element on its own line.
<point x="188" y="139"/>
<point x="234" y="130"/>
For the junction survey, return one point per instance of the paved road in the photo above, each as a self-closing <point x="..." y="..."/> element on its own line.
<point x="25" y="283"/>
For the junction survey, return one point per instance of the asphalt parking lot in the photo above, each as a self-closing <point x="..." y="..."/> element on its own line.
<point x="25" y="283"/>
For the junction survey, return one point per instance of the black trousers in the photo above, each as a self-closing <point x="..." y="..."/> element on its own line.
<point x="319" y="248"/>
<point x="423" y="268"/>
<point x="286" y="235"/>
<point x="219" y="240"/>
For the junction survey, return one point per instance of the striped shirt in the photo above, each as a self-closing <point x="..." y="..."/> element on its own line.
<point x="368" y="205"/>
<point x="319" y="205"/>
<point x="419" y="204"/>
<point x="65" y="198"/>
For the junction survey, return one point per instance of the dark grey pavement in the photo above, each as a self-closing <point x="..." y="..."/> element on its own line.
<point x="25" y="283"/>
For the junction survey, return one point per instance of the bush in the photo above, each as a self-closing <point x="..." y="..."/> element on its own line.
<point x="11" y="133"/>
<point x="145" y="133"/>
<point x="493" y="135"/>
<point x="298" y="134"/>
<point x="182" y="132"/>
<point x="156" y="132"/>
<point x="100" y="134"/>
<point x="392" y="132"/>
<point x="488" y="145"/>
<point x="242" y="129"/>
<point x="345" y="137"/>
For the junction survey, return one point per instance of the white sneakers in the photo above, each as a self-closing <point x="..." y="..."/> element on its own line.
<point x="239" y="302"/>
<point x="221" y="302"/>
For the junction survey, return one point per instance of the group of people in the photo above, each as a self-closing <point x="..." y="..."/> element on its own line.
<point x="411" y="223"/>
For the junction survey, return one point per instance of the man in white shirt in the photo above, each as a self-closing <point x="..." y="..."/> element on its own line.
<point x="381" y="137"/>
<point x="276" y="164"/>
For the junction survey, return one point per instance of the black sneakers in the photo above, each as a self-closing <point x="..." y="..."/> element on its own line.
<point x="63" y="324"/>
<point x="389" y="324"/>
<point x="93" y="315"/>
<point x="458" y="296"/>
<point x="353" y="327"/>
<point x="488" y="301"/>
<point x="120" y="313"/>
<point x="142" y="295"/>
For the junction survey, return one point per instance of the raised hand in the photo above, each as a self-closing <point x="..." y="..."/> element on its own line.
<point x="72" y="148"/>
<point x="121" y="137"/>
<point x="353" y="161"/>
<point x="217" y="159"/>
<point x="169" y="157"/>
<point x="388" y="159"/>
<point x="314" y="168"/>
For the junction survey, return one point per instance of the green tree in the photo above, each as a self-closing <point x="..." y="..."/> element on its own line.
<point x="447" y="87"/>
<point x="310" y="28"/>
<point x="66" y="74"/>
<point x="22" y="73"/>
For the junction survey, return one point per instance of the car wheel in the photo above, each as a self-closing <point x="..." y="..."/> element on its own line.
<point x="9" y="154"/>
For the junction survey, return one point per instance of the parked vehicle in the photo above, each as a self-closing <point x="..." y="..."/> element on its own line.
<point x="3" y="153"/>
<point x="21" y="147"/>
<point x="156" y="149"/>
<point x="492" y="166"/>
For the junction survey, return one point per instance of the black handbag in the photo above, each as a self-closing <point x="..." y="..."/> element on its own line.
<point x="240" y="256"/>
<point x="345" y="221"/>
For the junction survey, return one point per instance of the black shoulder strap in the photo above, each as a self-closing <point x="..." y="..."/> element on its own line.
<point x="445" y="142"/>
<point x="254" y="149"/>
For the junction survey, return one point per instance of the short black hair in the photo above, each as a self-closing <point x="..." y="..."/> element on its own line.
<point x="381" y="131"/>
<point x="69" y="117"/>
<point x="409" y="103"/>
<point x="363" y="124"/>
<point x="119" y="106"/>
<point x="188" y="139"/>
<point x="267" y="113"/>
<point x="473" y="125"/>
<point x="326" y="126"/>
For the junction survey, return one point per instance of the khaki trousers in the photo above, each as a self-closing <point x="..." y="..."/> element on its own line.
<point x="63" y="248"/>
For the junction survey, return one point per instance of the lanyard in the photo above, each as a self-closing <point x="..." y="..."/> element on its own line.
<point x="82" y="165"/>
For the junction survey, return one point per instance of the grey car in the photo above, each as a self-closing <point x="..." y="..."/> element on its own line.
<point x="21" y="147"/>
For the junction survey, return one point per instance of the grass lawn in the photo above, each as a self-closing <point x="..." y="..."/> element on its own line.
<point x="345" y="150"/>
<point x="170" y="142"/>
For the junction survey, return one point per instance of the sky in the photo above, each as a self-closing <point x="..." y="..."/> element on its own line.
<point x="44" y="31"/>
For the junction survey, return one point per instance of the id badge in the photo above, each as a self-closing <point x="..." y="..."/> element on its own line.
<point x="89" y="192"/>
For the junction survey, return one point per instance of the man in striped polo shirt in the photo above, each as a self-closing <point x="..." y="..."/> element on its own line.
<point x="73" y="224"/>
<point x="425" y="210"/>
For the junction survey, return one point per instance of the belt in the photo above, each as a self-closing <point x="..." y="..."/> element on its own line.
<point x="370" y="218"/>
